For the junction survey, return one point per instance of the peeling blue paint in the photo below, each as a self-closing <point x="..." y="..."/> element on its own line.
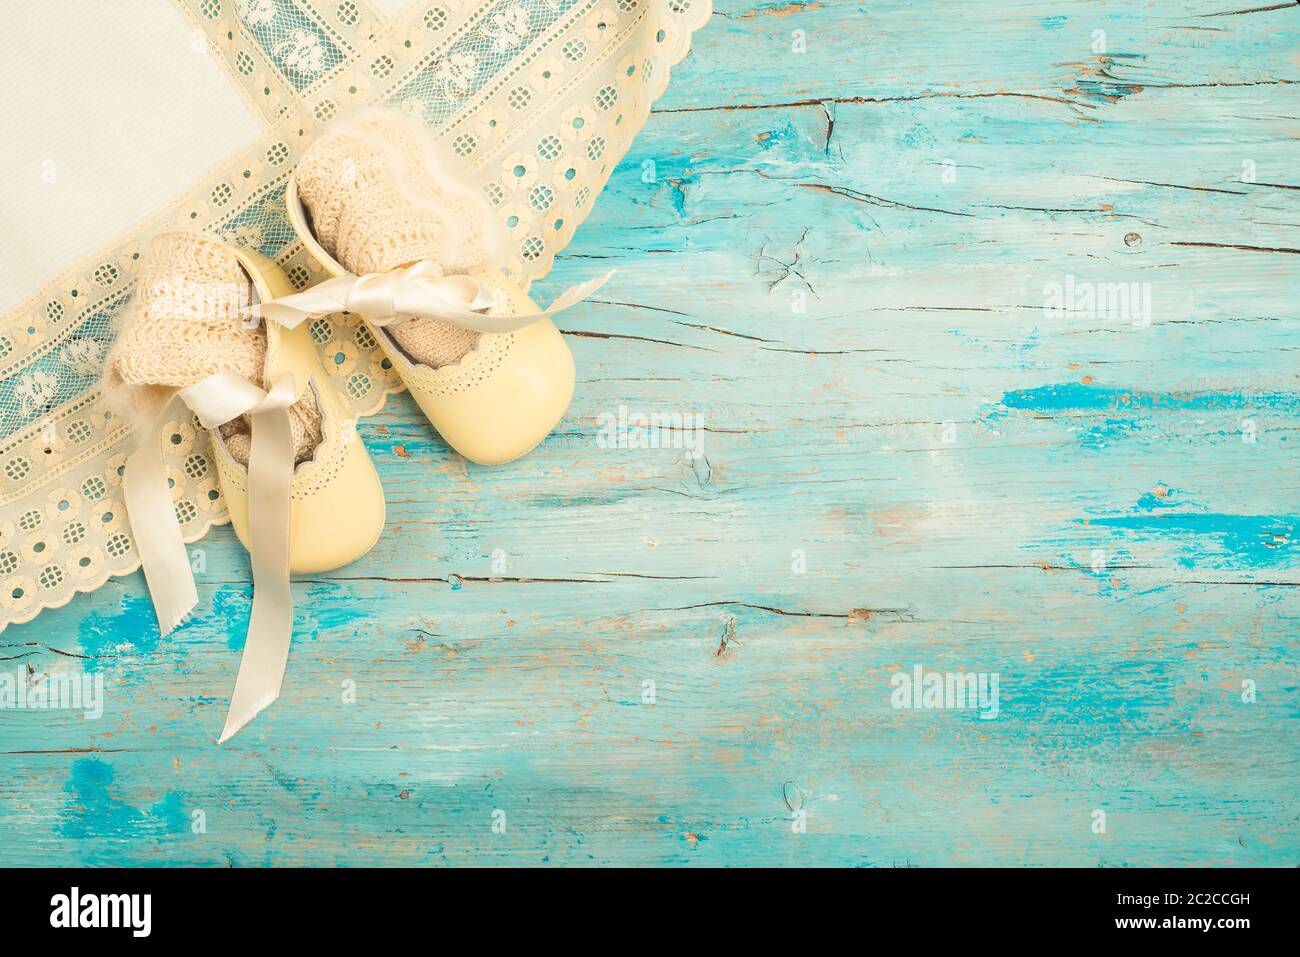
<point x="1100" y="434"/>
<point x="231" y="607"/>
<point x="94" y="811"/>
<point x="1215" y="538"/>
<point x="1064" y="696"/>
<point x="770" y="138"/>
<point x="383" y="444"/>
<point x="1150" y="501"/>
<point x="325" y="607"/>
<point x="133" y="629"/>
<point x="1070" y="396"/>
<point x="1097" y="82"/>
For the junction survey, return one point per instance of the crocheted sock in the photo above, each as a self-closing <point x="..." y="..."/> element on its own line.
<point x="188" y="322"/>
<point x="379" y="200"/>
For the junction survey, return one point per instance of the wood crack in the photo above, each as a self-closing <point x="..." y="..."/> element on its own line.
<point x="821" y="101"/>
<point x="1243" y="246"/>
<point x="855" y="614"/>
<point x="41" y="646"/>
<point x="869" y="199"/>
<point x="1199" y="189"/>
<point x="1238" y="13"/>
<point x="584" y="334"/>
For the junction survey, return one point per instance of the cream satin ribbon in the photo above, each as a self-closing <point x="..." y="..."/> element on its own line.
<point x="420" y="291"/>
<point x="216" y="400"/>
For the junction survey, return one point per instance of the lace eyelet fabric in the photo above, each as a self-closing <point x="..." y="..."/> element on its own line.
<point x="538" y="101"/>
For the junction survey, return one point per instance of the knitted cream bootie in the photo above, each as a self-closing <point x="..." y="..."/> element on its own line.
<point x="189" y="320"/>
<point x="377" y="205"/>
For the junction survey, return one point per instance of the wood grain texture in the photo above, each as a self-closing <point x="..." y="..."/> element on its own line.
<point x="975" y="484"/>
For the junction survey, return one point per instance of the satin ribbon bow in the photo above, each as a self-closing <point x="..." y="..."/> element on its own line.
<point x="216" y="400"/>
<point x="419" y="291"/>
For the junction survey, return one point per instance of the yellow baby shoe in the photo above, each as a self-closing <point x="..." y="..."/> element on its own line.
<point x="302" y="492"/>
<point x="410" y="250"/>
<point x="337" y="509"/>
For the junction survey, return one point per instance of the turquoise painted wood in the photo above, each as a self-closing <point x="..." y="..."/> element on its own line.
<point x="841" y="259"/>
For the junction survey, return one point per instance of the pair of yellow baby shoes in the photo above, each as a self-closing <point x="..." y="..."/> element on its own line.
<point x="410" y="251"/>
